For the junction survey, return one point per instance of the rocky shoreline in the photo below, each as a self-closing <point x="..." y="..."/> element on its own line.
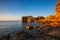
<point x="45" y="33"/>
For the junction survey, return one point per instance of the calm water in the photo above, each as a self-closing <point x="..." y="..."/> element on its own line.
<point x="10" y="27"/>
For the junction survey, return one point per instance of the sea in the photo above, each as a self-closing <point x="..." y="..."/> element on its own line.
<point x="10" y="27"/>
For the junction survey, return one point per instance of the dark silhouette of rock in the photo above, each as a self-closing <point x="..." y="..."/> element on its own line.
<point x="5" y="36"/>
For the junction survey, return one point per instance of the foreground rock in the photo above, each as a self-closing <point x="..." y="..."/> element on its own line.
<point x="55" y="34"/>
<point x="45" y="33"/>
<point x="5" y="36"/>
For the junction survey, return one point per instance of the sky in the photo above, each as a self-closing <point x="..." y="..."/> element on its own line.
<point x="15" y="9"/>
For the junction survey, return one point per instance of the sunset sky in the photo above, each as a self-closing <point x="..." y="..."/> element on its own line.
<point x="15" y="9"/>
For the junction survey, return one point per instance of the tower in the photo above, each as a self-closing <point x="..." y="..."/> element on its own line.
<point x="58" y="9"/>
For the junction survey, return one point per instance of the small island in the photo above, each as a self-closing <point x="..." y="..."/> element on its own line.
<point x="51" y="20"/>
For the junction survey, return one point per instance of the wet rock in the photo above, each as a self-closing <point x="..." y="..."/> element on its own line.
<point x="45" y="33"/>
<point x="22" y="36"/>
<point x="5" y="36"/>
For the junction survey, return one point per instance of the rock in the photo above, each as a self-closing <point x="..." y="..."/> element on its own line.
<point x="54" y="34"/>
<point x="5" y="36"/>
<point x="46" y="33"/>
<point x="19" y="36"/>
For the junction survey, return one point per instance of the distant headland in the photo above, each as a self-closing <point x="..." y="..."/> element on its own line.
<point x="52" y="20"/>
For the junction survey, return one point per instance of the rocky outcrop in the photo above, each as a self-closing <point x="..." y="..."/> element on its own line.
<point x="45" y="33"/>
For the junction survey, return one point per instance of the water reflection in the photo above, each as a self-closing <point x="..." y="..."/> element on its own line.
<point x="31" y="28"/>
